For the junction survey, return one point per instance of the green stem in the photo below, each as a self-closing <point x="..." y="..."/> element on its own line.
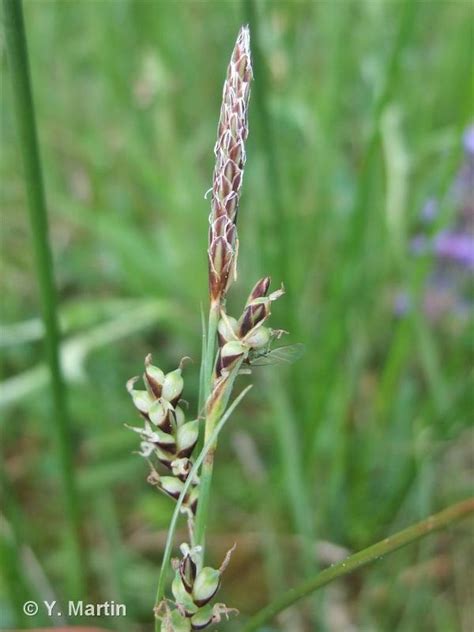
<point x="207" y="468"/>
<point x="213" y="416"/>
<point x="214" y="313"/>
<point x="388" y="545"/>
<point x="204" y="497"/>
<point x="24" y="110"/>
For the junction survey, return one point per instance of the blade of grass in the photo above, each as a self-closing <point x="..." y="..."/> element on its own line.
<point x="75" y="351"/>
<point x="24" y="110"/>
<point x="419" y="530"/>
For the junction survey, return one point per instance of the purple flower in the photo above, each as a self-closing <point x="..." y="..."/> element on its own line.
<point x="447" y="288"/>
<point x="457" y="247"/>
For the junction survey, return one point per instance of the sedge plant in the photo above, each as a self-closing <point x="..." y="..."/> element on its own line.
<point x="230" y="345"/>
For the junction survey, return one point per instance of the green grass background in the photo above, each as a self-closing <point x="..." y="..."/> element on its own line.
<point x="356" y="118"/>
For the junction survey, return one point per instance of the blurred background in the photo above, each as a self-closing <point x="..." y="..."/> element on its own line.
<point x="357" y="195"/>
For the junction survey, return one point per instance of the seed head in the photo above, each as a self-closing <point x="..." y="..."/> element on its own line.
<point x="229" y="150"/>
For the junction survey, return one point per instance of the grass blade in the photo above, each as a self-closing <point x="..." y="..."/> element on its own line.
<point x="388" y="545"/>
<point x="24" y="110"/>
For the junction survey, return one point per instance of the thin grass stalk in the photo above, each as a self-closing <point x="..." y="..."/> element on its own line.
<point x="212" y="421"/>
<point x="438" y="521"/>
<point x="203" y="367"/>
<point x="25" y="117"/>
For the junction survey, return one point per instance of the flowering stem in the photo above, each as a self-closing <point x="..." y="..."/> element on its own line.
<point x="388" y="545"/>
<point x="214" y="313"/>
<point x="210" y="422"/>
<point x="204" y="496"/>
<point x="213" y="416"/>
<point x="24" y="110"/>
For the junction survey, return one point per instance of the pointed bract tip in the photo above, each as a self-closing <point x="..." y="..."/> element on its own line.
<point x="228" y="555"/>
<point x="131" y="383"/>
<point x="184" y="360"/>
<point x="277" y="293"/>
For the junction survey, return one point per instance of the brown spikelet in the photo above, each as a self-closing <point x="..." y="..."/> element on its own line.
<point x="229" y="150"/>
